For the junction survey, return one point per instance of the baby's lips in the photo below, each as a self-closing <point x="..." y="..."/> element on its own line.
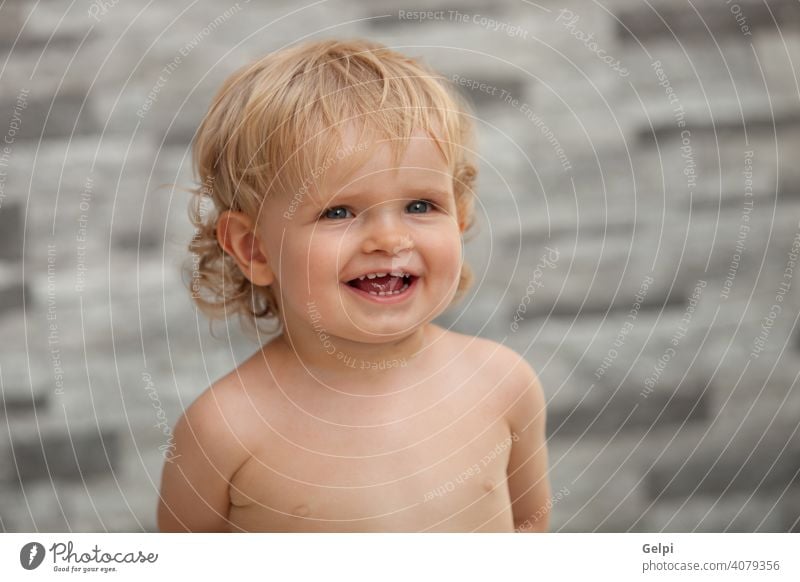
<point x="413" y="273"/>
<point x="387" y="283"/>
<point x="363" y="283"/>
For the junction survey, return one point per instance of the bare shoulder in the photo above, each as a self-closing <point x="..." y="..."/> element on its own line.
<point x="208" y="425"/>
<point x="228" y="409"/>
<point x="221" y="422"/>
<point x="519" y="392"/>
<point x="501" y="360"/>
<point x="219" y="402"/>
<point x="517" y="384"/>
<point x="470" y="345"/>
<point x="212" y="441"/>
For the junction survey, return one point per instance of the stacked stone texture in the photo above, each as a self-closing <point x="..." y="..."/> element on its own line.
<point x="610" y="250"/>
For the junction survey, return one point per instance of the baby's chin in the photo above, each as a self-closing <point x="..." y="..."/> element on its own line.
<point x="373" y="333"/>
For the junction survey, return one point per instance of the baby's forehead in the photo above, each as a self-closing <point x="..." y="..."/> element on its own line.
<point x="385" y="157"/>
<point x="349" y="160"/>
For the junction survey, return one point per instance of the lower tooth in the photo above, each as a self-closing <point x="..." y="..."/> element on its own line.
<point x="398" y="291"/>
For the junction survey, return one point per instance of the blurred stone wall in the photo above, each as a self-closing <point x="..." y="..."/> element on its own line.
<point x="639" y="223"/>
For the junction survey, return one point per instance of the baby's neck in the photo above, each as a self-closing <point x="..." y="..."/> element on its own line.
<point x="341" y="361"/>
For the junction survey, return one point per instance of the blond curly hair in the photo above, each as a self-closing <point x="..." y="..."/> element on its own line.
<point x="274" y="120"/>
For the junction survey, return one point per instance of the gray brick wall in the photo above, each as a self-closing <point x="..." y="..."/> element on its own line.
<point x="672" y="391"/>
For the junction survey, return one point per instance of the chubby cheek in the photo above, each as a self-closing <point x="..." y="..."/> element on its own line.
<point x="442" y="256"/>
<point x="292" y="266"/>
<point x="312" y="260"/>
<point x="315" y="264"/>
<point x="451" y="264"/>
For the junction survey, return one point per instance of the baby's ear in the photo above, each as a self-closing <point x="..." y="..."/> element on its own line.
<point x="236" y="234"/>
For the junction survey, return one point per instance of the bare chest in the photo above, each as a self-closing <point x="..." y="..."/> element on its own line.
<point x="434" y="463"/>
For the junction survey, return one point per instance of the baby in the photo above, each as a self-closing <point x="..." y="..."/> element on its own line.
<point x="336" y="191"/>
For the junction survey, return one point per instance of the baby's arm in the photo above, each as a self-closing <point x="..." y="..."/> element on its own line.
<point x="528" y="482"/>
<point x="194" y="486"/>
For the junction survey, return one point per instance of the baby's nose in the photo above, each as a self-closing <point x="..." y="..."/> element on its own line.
<point x="389" y="233"/>
<point x="406" y="243"/>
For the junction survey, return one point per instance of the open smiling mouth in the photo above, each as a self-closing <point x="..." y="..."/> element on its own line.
<point x="383" y="286"/>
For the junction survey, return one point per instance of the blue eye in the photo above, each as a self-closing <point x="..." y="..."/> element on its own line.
<point x="417" y="203"/>
<point x="329" y="213"/>
<point x="416" y="207"/>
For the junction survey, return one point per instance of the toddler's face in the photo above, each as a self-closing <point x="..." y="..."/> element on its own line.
<point x="377" y="220"/>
